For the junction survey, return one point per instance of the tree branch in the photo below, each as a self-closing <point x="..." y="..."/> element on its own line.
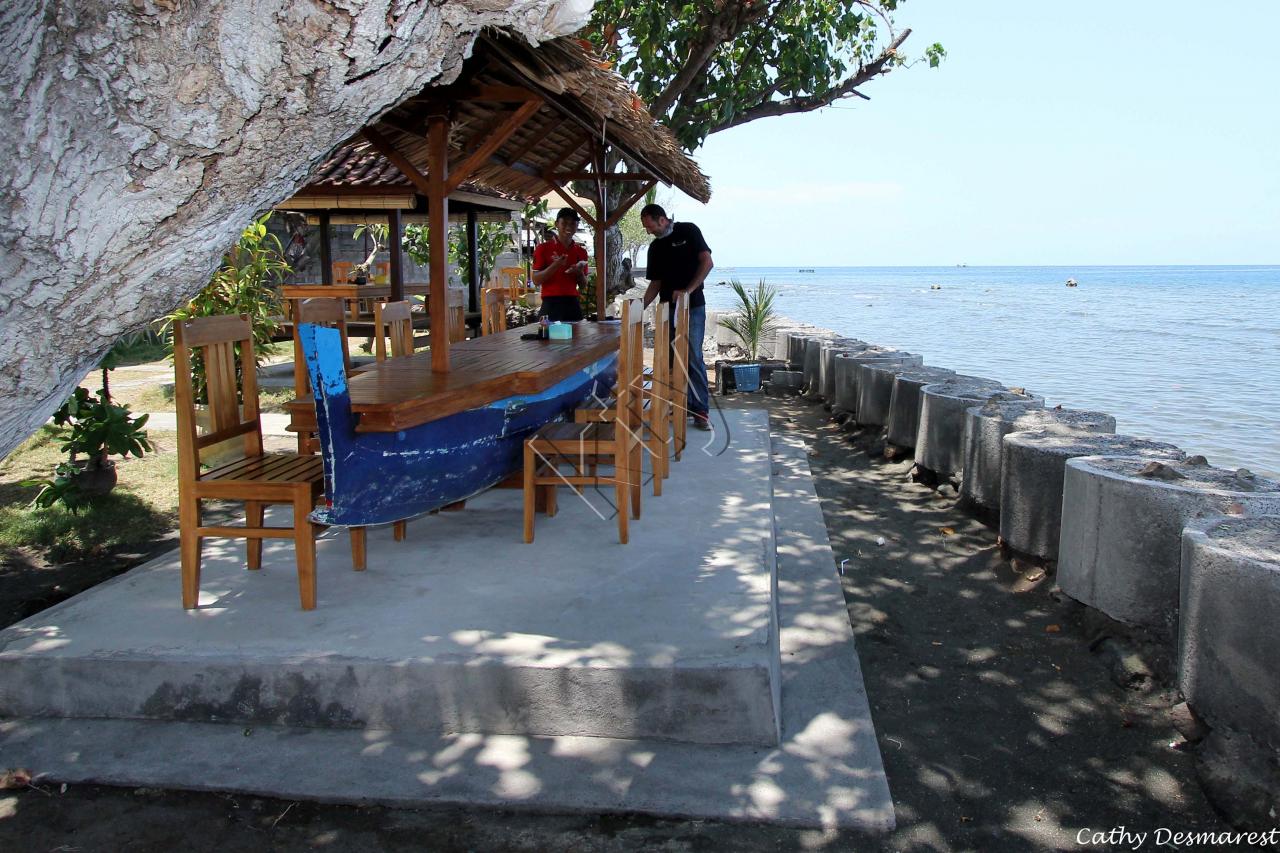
<point x="809" y="103"/>
<point x="721" y="28"/>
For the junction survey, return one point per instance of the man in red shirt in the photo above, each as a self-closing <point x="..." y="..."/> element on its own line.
<point x="559" y="268"/>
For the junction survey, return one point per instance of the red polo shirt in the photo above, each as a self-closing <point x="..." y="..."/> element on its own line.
<point x="560" y="284"/>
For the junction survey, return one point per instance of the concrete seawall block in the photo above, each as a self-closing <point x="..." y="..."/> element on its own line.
<point x="1031" y="476"/>
<point x="827" y="371"/>
<point x="875" y="388"/>
<point x="1228" y="646"/>
<point x="986" y="426"/>
<point x="1122" y="529"/>
<point x="880" y="355"/>
<point x="940" y="436"/>
<point x="785" y="382"/>
<point x="904" y="402"/>
<point x="844" y="399"/>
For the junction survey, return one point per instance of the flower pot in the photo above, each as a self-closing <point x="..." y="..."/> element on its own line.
<point x="94" y="479"/>
<point x="746" y="377"/>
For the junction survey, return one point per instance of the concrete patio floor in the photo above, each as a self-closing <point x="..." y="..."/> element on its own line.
<point x="707" y="669"/>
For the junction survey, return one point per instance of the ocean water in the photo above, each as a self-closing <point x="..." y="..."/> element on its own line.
<point x="1183" y="354"/>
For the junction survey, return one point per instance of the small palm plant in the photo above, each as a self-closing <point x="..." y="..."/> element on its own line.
<point x="755" y="317"/>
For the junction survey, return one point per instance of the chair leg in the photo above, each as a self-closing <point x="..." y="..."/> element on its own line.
<point x="359" y="548"/>
<point x="304" y="544"/>
<point x="529" y="497"/>
<point x="189" y="520"/>
<point x="654" y="448"/>
<point x="253" y="518"/>
<point x="399" y="530"/>
<point x="549" y="500"/>
<point x="636" y="477"/>
<point x="621" y="490"/>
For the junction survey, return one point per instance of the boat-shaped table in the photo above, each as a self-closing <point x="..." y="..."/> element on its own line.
<point x="399" y="439"/>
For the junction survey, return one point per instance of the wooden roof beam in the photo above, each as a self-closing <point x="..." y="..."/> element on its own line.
<point x="627" y="203"/>
<point x="605" y="176"/>
<point x="491" y="145"/>
<point x="401" y="162"/>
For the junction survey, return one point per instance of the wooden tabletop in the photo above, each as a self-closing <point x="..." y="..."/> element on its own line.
<point x="404" y="392"/>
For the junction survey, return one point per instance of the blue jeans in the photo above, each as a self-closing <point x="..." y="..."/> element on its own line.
<point x="699" y="395"/>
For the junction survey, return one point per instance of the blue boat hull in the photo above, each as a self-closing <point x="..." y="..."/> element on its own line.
<point x="381" y="477"/>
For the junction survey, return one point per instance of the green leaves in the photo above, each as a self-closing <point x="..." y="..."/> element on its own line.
<point x="765" y="58"/>
<point x="755" y="315"/>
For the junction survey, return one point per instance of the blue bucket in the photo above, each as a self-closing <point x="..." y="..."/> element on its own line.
<point x="746" y="377"/>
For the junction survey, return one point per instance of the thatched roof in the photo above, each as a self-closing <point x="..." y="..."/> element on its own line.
<point x="583" y="100"/>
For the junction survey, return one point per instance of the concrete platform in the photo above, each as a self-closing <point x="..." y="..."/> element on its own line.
<point x="678" y="675"/>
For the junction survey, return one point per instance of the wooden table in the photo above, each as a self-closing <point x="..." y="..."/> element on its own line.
<point x="401" y="393"/>
<point x="402" y="439"/>
<point x="404" y="392"/>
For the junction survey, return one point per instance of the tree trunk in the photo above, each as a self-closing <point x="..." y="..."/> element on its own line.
<point x="141" y="136"/>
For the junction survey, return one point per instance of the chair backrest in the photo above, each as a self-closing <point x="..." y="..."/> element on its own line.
<point x="382" y="272"/>
<point x="342" y="272"/>
<point x="679" y="376"/>
<point x="393" y="320"/>
<point x="215" y="338"/>
<point x="512" y="279"/>
<point x="493" y="310"/>
<point x="457" y="301"/>
<point x="322" y="312"/>
<point x="630" y="404"/>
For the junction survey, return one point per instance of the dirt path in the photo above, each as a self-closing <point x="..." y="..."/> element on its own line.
<point x="1000" y="729"/>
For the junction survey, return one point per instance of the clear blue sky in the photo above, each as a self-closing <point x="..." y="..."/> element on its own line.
<point x="1088" y="133"/>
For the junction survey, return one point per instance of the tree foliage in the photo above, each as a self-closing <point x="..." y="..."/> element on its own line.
<point x="704" y="66"/>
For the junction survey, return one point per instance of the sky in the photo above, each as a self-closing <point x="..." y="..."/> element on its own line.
<point x="1129" y="132"/>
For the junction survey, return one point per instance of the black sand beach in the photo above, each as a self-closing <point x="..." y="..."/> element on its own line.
<point x="1005" y="717"/>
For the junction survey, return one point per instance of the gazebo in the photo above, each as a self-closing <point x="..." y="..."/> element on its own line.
<point x="517" y="122"/>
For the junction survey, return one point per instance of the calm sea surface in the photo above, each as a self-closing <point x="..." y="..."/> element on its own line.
<point x="1183" y="354"/>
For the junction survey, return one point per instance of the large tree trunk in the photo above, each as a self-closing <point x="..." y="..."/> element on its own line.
<point x="142" y="135"/>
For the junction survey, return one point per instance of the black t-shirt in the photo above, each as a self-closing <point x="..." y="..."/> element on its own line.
<point x="673" y="261"/>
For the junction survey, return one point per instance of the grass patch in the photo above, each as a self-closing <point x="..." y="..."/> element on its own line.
<point x="142" y="508"/>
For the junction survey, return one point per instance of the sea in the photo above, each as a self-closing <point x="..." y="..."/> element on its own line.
<point x="1184" y="354"/>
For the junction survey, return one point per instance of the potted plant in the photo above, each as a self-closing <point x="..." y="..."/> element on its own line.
<point x="99" y="429"/>
<point x="752" y="321"/>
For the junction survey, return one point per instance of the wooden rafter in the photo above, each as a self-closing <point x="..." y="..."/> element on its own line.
<point x="535" y="136"/>
<point x="607" y="176"/>
<point x="627" y="203"/>
<point x="490" y="146"/>
<point x="401" y="162"/>
<point x="572" y="202"/>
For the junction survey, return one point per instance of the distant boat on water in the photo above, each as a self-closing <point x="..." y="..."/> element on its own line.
<point x="805" y="270"/>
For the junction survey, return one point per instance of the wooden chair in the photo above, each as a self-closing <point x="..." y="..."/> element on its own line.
<point x="394" y="321"/>
<point x="657" y="401"/>
<point x="342" y="272"/>
<point x="680" y="375"/>
<point x="582" y="447"/>
<point x="457" y="301"/>
<point x="493" y="310"/>
<point x="324" y="312"/>
<point x="512" y="279"/>
<point x="381" y="272"/>
<point x="255" y="477"/>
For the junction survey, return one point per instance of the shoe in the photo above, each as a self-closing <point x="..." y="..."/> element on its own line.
<point x="702" y="422"/>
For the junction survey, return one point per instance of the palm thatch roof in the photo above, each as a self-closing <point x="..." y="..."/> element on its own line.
<point x="569" y="101"/>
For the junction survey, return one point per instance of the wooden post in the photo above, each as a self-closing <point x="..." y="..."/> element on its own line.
<point x="396" y="248"/>
<point x="438" y="225"/>
<point x="326" y="250"/>
<point x="473" y="253"/>
<point x="602" y="283"/>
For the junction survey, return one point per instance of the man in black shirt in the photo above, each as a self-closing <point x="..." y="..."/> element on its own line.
<point x="679" y="261"/>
